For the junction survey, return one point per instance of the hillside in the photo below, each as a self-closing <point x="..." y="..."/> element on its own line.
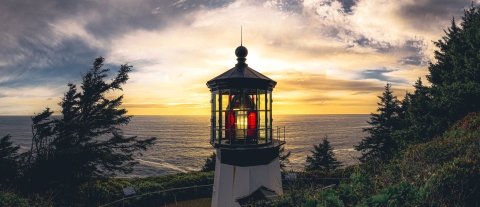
<point x="441" y="172"/>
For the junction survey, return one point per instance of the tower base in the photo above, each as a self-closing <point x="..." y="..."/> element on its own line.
<point x="233" y="182"/>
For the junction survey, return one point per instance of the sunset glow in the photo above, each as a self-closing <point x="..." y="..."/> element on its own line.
<point x="327" y="56"/>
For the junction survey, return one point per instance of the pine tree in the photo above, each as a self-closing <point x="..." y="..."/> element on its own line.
<point x="210" y="163"/>
<point x="8" y="160"/>
<point x="283" y="158"/>
<point x="322" y="157"/>
<point x="422" y="120"/>
<point x="454" y="78"/>
<point x="380" y="143"/>
<point x="86" y="143"/>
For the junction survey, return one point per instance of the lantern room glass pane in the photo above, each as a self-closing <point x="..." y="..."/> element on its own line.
<point x="268" y="100"/>
<point x="214" y="107"/>
<point x="262" y="125"/>
<point x="269" y="115"/>
<point x="241" y="116"/>
<point x="224" y="116"/>
<point x="261" y="99"/>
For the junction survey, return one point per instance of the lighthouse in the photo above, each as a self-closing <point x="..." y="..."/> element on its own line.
<point x="247" y="165"/>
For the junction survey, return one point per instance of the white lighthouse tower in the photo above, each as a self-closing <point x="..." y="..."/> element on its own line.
<point x="247" y="163"/>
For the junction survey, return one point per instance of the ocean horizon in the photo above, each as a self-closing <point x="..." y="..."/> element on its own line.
<point x="183" y="140"/>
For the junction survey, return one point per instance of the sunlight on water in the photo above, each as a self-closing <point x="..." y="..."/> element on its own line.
<point x="182" y="144"/>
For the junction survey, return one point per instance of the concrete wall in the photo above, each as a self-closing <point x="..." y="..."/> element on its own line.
<point x="231" y="182"/>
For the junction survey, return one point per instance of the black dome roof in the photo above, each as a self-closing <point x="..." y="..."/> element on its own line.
<point x="241" y="76"/>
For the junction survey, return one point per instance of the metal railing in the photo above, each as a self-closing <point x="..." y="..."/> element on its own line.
<point x="248" y="137"/>
<point x="160" y="191"/>
<point x="279" y="133"/>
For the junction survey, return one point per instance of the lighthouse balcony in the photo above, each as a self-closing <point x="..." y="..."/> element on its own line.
<point x="263" y="137"/>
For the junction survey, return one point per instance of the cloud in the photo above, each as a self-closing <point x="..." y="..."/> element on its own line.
<point x="426" y="14"/>
<point x="347" y="5"/>
<point x="319" y="51"/>
<point x="39" y="38"/>
<point x="304" y="81"/>
<point x="170" y="105"/>
<point x="379" y="74"/>
<point x="361" y="93"/>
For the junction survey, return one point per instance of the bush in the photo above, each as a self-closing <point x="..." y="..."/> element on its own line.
<point x="456" y="183"/>
<point x="102" y="192"/>
<point x="11" y="199"/>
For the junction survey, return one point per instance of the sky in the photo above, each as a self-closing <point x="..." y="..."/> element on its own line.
<point x="327" y="56"/>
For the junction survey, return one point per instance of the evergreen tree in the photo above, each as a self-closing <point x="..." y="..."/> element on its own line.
<point x="422" y="121"/>
<point x="403" y="135"/>
<point x="322" y="157"/>
<point x="380" y="144"/>
<point x="283" y="158"/>
<point x="454" y="78"/>
<point x="8" y="160"/>
<point x="87" y="142"/>
<point x="210" y="163"/>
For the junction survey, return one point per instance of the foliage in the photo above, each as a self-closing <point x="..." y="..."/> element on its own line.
<point x="322" y="158"/>
<point x="8" y="198"/>
<point x="310" y="193"/>
<point x="210" y="163"/>
<point x="454" y="79"/>
<point x="402" y="194"/>
<point x="86" y="143"/>
<point x="296" y="197"/>
<point x="105" y="191"/>
<point x="441" y="172"/>
<point x="8" y="160"/>
<point x="448" y="165"/>
<point x="329" y="198"/>
<point x="380" y="144"/>
<point x="283" y="158"/>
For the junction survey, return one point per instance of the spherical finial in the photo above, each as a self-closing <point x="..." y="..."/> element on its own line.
<point x="241" y="52"/>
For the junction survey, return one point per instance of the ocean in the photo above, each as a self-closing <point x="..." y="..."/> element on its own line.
<point x="183" y="141"/>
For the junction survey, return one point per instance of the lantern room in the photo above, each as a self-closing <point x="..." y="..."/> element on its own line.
<point x="241" y="106"/>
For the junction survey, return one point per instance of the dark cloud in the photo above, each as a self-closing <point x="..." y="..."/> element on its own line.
<point x="364" y="42"/>
<point x="51" y="65"/>
<point x="294" y="6"/>
<point x="116" y="19"/>
<point x="379" y="46"/>
<point x="347" y="5"/>
<point x="413" y="60"/>
<point x="105" y="18"/>
<point x="411" y="52"/>
<point x="425" y="14"/>
<point x="378" y="74"/>
<point x="34" y="53"/>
